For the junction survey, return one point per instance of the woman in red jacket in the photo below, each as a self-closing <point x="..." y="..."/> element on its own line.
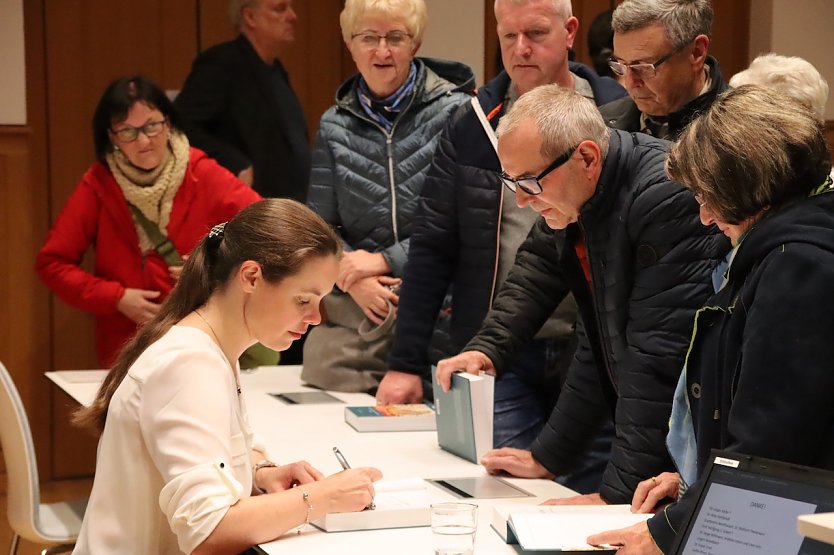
<point x="144" y="205"/>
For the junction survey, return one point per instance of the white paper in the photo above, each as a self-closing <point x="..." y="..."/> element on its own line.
<point x="564" y="528"/>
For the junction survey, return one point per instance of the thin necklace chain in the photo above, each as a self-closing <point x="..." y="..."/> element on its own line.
<point x="217" y="340"/>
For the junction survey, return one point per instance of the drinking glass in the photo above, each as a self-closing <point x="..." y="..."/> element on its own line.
<point x="453" y="528"/>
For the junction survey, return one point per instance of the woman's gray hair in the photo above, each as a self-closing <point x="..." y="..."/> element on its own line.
<point x="682" y="20"/>
<point x="562" y="117"/>
<point x="790" y="75"/>
<point x="412" y="13"/>
<point x="753" y="149"/>
<point x="562" y="8"/>
<point x="236" y="11"/>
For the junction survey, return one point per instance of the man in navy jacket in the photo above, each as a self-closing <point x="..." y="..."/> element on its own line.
<point x="467" y="230"/>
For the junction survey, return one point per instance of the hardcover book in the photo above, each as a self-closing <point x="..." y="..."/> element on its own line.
<point x="391" y="418"/>
<point x="464" y="415"/>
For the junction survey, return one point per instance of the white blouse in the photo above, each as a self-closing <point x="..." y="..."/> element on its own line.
<point x="175" y="452"/>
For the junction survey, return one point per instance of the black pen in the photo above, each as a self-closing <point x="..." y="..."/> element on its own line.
<point x="345" y="466"/>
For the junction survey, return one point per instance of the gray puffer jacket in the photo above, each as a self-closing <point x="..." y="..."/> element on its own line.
<point x="365" y="181"/>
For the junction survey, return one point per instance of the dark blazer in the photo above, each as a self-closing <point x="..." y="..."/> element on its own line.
<point x="243" y="112"/>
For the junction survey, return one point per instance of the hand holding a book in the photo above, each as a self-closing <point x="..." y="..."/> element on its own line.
<point x="650" y="492"/>
<point x="633" y="540"/>
<point x="516" y="462"/>
<point x="472" y="362"/>
<point x="398" y="388"/>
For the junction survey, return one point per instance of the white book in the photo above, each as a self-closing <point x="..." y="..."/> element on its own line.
<point x="399" y="504"/>
<point x="465" y="414"/>
<point x="560" y="528"/>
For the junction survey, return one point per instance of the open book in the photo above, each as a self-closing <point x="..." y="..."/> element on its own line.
<point x="464" y="414"/>
<point x="558" y="528"/>
<point x="399" y="504"/>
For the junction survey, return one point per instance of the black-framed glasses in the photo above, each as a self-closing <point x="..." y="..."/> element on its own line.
<point x="642" y="70"/>
<point x="532" y="185"/>
<point x="129" y="134"/>
<point x="394" y="39"/>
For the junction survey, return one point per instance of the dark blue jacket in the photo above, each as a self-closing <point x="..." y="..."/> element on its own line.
<point x="759" y="370"/>
<point x="650" y="263"/>
<point x="455" y="240"/>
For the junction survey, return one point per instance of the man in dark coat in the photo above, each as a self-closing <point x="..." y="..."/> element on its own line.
<point x="467" y="231"/>
<point x="237" y="104"/>
<point x="628" y="244"/>
<point x="661" y="50"/>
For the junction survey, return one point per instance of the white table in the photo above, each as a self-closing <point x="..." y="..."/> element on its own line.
<point x="309" y="432"/>
<point x="818" y="526"/>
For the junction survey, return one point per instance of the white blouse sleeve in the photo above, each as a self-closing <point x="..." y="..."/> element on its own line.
<point x="186" y="419"/>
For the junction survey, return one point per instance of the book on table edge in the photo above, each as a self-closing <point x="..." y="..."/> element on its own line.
<point x="399" y="504"/>
<point x="391" y="418"/>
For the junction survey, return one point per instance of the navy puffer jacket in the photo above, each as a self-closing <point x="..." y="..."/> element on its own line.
<point x="456" y="235"/>
<point x="650" y="262"/>
<point x="365" y="181"/>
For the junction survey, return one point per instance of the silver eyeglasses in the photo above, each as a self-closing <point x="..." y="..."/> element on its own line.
<point x="394" y="39"/>
<point x="532" y="185"/>
<point x="642" y="70"/>
<point x="129" y="134"/>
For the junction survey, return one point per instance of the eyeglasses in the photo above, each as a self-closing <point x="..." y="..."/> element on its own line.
<point x="643" y="70"/>
<point x="394" y="40"/>
<point x="532" y="185"/>
<point x="700" y="200"/>
<point x="129" y="134"/>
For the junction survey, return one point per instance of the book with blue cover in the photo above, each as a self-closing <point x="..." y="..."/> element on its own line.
<point x="464" y="415"/>
<point x="391" y="418"/>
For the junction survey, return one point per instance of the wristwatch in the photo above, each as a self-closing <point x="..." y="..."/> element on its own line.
<point x="255" y="468"/>
<point x="262" y="464"/>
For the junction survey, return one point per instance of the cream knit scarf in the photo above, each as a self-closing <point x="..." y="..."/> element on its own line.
<point x="152" y="191"/>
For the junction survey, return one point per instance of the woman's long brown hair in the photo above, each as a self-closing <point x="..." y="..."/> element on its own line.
<point x="279" y="234"/>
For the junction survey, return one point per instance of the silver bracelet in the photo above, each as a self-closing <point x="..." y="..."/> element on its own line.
<point x="306" y="498"/>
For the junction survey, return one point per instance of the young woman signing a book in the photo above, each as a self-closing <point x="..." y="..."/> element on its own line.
<point x="177" y="468"/>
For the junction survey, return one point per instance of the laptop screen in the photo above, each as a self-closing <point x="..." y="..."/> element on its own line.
<point x="749" y="506"/>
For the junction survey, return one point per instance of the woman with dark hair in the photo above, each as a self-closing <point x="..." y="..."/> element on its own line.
<point x="174" y="471"/>
<point x="757" y="378"/>
<point x="144" y="205"/>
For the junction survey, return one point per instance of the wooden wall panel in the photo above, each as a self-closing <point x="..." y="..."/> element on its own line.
<point x="158" y="40"/>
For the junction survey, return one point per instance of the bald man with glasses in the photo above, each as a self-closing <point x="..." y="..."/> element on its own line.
<point x="661" y="51"/>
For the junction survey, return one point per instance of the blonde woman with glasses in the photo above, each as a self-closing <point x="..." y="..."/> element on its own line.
<point x="143" y="206"/>
<point x="373" y="149"/>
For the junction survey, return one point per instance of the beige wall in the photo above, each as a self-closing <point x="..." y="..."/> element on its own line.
<point x="456" y="32"/>
<point x="796" y="28"/>
<point x="12" y="64"/>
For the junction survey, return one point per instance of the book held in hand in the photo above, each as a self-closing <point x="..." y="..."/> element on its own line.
<point x="464" y="414"/>
<point x="560" y="528"/>
<point x="391" y="418"/>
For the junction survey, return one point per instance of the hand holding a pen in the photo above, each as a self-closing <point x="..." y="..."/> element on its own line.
<point x="345" y="466"/>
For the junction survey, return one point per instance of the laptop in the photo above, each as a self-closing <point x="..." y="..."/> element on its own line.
<point x="749" y="506"/>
